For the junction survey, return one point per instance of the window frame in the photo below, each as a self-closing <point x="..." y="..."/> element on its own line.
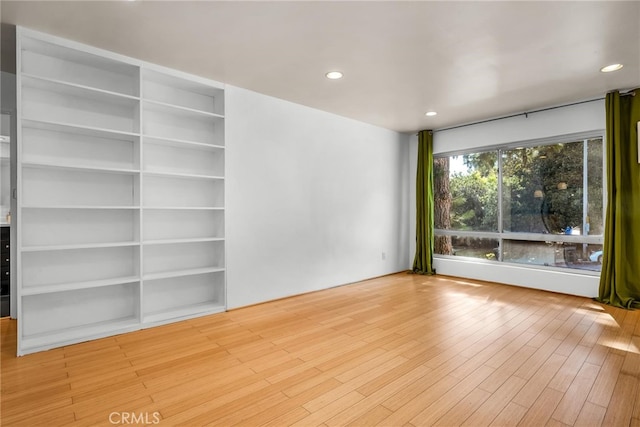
<point x="501" y="235"/>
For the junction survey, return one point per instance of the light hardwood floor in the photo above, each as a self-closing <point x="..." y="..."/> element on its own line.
<point x="400" y="350"/>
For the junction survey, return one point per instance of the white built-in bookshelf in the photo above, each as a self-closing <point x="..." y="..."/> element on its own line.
<point x="120" y="221"/>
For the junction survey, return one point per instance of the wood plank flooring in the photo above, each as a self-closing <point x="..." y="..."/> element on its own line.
<point x="401" y="350"/>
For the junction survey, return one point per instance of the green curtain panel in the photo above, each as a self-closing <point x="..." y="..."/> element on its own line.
<point x="423" y="261"/>
<point x="620" y="276"/>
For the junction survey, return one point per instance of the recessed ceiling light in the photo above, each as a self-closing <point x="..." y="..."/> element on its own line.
<point x="430" y="113"/>
<point x="610" y="68"/>
<point x="334" y="75"/>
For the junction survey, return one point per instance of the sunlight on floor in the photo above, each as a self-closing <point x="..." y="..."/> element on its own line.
<point x="593" y="306"/>
<point x="474" y="285"/>
<point x="629" y="347"/>
<point x="607" y="320"/>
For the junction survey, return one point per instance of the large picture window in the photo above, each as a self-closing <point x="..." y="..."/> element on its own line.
<point x="537" y="204"/>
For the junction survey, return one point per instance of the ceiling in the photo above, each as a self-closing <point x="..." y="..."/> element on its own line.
<point x="468" y="61"/>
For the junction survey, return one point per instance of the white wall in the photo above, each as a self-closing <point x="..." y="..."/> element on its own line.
<point x="556" y="122"/>
<point x="313" y="199"/>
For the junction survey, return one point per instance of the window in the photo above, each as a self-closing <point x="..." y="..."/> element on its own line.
<point x="537" y="204"/>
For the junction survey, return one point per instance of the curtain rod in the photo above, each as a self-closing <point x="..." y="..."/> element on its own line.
<point x="526" y="114"/>
<point x="631" y="92"/>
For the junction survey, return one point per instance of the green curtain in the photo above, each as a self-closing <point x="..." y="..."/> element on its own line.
<point x="620" y="276"/>
<point x="423" y="261"/>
